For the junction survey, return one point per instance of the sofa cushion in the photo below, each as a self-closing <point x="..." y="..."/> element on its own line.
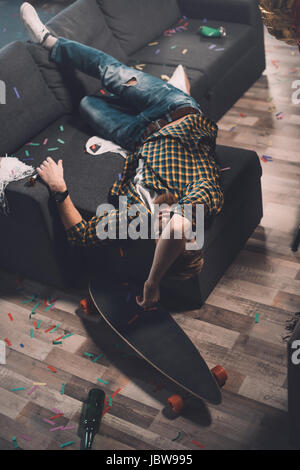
<point x="237" y="182"/>
<point x="199" y="55"/>
<point x="84" y="22"/>
<point x="136" y="22"/>
<point x="88" y="177"/>
<point x="30" y="105"/>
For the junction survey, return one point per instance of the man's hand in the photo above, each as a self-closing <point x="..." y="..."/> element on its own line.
<point x="150" y="295"/>
<point x="52" y="174"/>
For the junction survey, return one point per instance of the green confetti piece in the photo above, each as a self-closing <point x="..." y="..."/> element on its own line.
<point x="31" y="333"/>
<point x="60" y="141"/>
<point x="103" y="381"/>
<point x="48" y="308"/>
<point x="52" y="149"/>
<point x="15" y="443"/>
<point x="30" y="300"/>
<point x="35" y="307"/>
<point x="88" y="354"/>
<point x="27" y="153"/>
<point x="96" y="358"/>
<point x="109" y="401"/>
<point x="173" y="47"/>
<point x="66" y="444"/>
<point x="66" y="336"/>
<point x="56" y="342"/>
<point x="61" y="128"/>
<point x="62" y="390"/>
<point x="33" y="144"/>
<point x="256" y="318"/>
<point x="17" y="389"/>
<point x="55" y="328"/>
<point x="38" y="324"/>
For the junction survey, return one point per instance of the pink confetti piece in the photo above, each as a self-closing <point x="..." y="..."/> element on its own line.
<point x="68" y="427"/>
<point x="48" y="421"/>
<point x="55" y="429"/>
<point x="56" y="410"/>
<point x="227" y="168"/>
<point x="33" y="389"/>
<point x="26" y="438"/>
<point x="45" y="141"/>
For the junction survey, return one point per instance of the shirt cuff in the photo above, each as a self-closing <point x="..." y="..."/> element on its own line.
<point x="74" y="234"/>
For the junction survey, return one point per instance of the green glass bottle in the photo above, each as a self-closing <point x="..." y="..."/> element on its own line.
<point x="207" y="31"/>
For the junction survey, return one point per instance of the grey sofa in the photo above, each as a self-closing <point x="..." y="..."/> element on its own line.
<point x="32" y="239"/>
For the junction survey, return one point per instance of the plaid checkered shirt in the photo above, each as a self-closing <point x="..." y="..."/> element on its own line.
<point x="179" y="159"/>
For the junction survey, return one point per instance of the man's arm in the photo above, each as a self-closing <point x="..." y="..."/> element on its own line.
<point x="170" y="245"/>
<point x="53" y="175"/>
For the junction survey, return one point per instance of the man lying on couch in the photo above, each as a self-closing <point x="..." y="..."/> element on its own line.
<point x="172" y="159"/>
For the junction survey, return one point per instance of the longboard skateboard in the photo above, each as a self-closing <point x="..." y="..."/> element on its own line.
<point x="157" y="338"/>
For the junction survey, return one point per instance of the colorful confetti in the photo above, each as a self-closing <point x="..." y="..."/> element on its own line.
<point x="66" y="444"/>
<point x="10" y="317"/>
<point x="103" y="381"/>
<point x="17" y="389"/>
<point x="33" y="389"/>
<point x="15" y="443"/>
<point x="16" y="92"/>
<point x="96" y="358"/>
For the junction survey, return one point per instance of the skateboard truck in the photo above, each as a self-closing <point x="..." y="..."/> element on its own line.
<point x="176" y="402"/>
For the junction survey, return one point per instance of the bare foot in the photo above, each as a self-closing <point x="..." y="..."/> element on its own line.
<point x="52" y="174"/>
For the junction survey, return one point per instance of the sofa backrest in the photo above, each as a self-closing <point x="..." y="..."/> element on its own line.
<point x="136" y="22"/>
<point x="84" y="22"/>
<point x="29" y="104"/>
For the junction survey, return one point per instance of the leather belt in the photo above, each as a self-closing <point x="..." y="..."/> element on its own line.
<point x="173" y="115"/>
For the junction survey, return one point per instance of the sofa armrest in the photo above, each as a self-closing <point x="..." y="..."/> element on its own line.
<point x="233" y="11"/>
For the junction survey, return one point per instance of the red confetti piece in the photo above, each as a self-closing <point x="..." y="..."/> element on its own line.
<point x="10" y="316"/>
<point x="7" y="341"/>
<point x="57" y="339"/>
<point x="198" y="444"/>
<point x="52" y="368"/>
<point x="121" y="252"/>
<point x="102" y="92"/>
<point x="115" y="393"/>
<point x="106" y="410"/>
<point x="56" y="416"/>
<point x="132" y="319"/>
<point x="51" y="327"/>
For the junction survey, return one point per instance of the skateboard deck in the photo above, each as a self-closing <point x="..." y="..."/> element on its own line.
<point x="155" y="336"/>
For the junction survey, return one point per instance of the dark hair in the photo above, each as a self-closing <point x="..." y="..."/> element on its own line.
<point x="189" y="262"/>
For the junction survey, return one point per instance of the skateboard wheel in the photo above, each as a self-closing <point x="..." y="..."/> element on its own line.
<point x="220" y="375"/>
<point x="176" y="403"/>
<point x="86" y="305"/>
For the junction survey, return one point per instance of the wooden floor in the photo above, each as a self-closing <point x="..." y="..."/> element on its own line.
<point x="240" y="326"/>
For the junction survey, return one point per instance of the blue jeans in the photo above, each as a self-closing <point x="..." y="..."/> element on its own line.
<point x="123" y="117"/>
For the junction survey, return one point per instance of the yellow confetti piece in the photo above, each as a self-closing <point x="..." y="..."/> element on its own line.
<point x="38" y="383"/>
<point x="153" y="43"/>
<point x="184" y="51"/>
